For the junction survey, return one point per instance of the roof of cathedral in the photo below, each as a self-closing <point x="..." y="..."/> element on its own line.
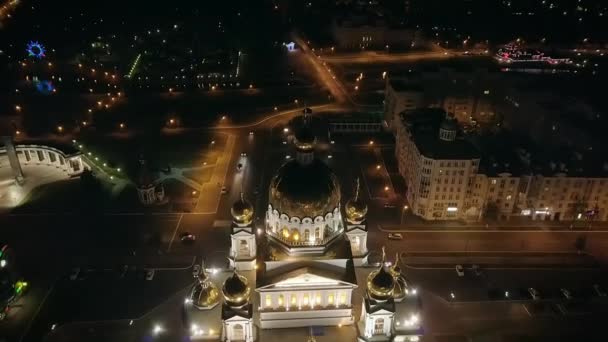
<point x="338" y="248"/>
<point x="297" y="268"/>
<point x="229" y="312"/>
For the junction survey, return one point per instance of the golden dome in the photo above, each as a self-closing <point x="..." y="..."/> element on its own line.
<point x="355" y="208"/>
<point x="304" y="190"/>
<point x="242" y="211"/>
<point x="380" y="283"/>
<point x="236" y="290"/>
<point x="204" y="295"/>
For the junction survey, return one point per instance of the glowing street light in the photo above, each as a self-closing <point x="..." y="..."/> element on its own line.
<point x="386" y="188"/>
<point x="157" y="330"/>
<point x="18" y="108"/>
<point x="286" y="130"/>
<point x="378" y="167"/>
<point x="122" y="125"/>
<point x="371" y="142"/>
<point x="60" y="129"/>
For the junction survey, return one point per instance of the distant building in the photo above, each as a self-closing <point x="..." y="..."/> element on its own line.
<point x="367" y="25"/>
<point x="472" y="97"/>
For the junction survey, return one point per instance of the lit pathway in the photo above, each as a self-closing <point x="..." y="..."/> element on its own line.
<point x="209" y="198"/>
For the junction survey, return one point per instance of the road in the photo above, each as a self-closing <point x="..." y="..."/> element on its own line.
<point x="322" y="72"/>
<point x="369" y="57"/>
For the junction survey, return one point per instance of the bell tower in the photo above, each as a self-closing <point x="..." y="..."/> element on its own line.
<point x="356" y="227"/>
<point x="243" y="242"/>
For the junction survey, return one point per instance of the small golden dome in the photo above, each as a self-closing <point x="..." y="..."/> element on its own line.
<point x="236" y="290"/>
<point x="242" y="211"/>
<point x="401" y="283"/>
<point x="204" y="295"/>
<point x="380" y="283"/>
<point x="355" y="208"/>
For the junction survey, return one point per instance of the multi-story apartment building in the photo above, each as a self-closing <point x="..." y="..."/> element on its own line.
<point x="447" y="179"/>
<point x="437" y="165"/>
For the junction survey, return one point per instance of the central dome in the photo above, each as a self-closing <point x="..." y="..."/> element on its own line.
<point x="304" y="190"/>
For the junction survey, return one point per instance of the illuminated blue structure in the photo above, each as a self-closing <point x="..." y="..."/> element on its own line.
<point x="35" y="49"/>
<point x="45" y="87"/>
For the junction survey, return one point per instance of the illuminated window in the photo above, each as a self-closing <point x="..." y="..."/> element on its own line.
<point x="330" y="299"/>
<point x="342" y="298"/>
<point x="268" y="300"/>
<point x="281" y="300"/>
<point x="318" y="299"/>
<point x="306" y="235"/>
<point x="285" y="232"/>
<point x="306" y="300"/>
<point x="294" y="300"/>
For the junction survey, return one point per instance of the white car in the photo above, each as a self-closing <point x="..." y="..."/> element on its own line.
<point x="196" y="270"/>
<point x="395" y="236"/>
<point x="567" y="294"/>
<point x="243" y="154"/>
<point x="534" y="293"/>
<point x="75" y="272"/>
<point x="459" y="270"/>
<point x="149" y="274"/>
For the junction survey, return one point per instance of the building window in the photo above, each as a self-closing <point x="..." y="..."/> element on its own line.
<point x="379" y="326"/>
<point x="330" y="299"/>
<point x="281" y="300"/>
<point x="306" y="299"/>
<point x="268" y="301"/>
<point x="294" y="300"/>
<point x="318" y="299"/>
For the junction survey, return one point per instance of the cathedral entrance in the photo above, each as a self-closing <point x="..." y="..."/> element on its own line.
<point x="238" y="334"/>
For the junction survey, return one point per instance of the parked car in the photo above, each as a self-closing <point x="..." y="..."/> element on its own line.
<point x="599" y="290"/>
<point x="567" y="294"/>
<point x="187" y="237"/>
<point x="534" y="293"/>
<point x="243" y="154"/>
<point x="395" y="236"/>
<point x="459" y="270"/>
<point x="224" y="190"/>
<point x="196" y="269"/>
<point x="75" y="273"/>
<point x="149" y="274"/>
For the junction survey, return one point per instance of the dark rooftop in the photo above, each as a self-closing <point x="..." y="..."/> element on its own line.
<point x="424" y="125"/>
<point x="400" y="85"/>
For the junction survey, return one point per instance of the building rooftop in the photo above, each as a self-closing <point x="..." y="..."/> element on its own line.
<point x="402" y="85"/>
<point x="423" y="125"/>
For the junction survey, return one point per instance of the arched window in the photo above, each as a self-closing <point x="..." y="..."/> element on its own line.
<point x="281" y="300"/>
<point x="238" y="333"/>
<point x="317" y="233"/>
<point x="306" y="235"/>
<point x="285" y="232"/>
<point x="295" y="235"/>
<point x="379" y="326"/>
<point x="268" y="301"/>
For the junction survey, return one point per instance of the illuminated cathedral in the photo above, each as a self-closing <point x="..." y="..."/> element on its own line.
<point x="306" y="274"/>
